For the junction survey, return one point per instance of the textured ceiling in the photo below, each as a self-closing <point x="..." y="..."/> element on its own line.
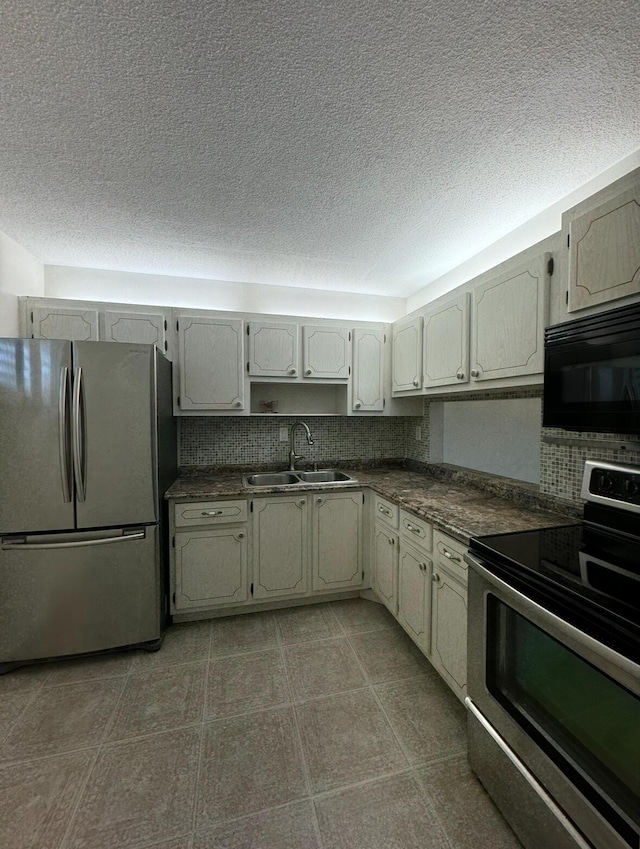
<point x="365" y="145"/>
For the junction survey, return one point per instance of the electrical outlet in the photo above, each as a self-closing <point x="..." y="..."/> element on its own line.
<point x="418" y="434"/>
<point x="284" y="434"/>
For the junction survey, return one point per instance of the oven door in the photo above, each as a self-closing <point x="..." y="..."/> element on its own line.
<point x="554" y="720"/>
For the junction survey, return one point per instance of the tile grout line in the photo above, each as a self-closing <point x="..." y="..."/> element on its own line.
<point x="203" y="715"/>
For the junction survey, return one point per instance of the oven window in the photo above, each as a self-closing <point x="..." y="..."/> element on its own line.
<point x="585" y="721"/>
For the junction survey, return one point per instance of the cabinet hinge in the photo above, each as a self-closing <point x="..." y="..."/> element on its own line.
<point x="363" y="574"/>
<point x="165" y="324"/>
<point x="247" y="330"/>
<point x="550" y="267"/>
<point x="568" y="239"/>
<point x="173" y="541"/>
<point x="349" y="336"/>
<point x="247" y="367"/>
<point x="251" y="507"/>
<point x="566" y="297"/>
<point x="177" y="325"/>
<point x="178" y="400"/>
<point x="349" y="369"/>
<point x="31" y="316"/>
<point x="251" y="589"/>
<point x="384" y="401"/>
<point x="384" y="338"/>
<point x="174" y="598"/>
<point x="166" y="346"/>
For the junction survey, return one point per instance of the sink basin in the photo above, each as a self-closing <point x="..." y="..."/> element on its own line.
<point x="287" y="478"/>
<point x="323" y="476"/>
<point x="272" y="479"/>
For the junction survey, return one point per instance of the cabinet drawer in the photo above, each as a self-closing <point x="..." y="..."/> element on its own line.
<point x="385" y="510"/>
<point x="210" y="513"/>
<point x="450" y="554"/>
<point x="416" y="530"/>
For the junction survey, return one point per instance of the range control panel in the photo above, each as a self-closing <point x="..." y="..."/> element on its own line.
<point x="615" y="484"/>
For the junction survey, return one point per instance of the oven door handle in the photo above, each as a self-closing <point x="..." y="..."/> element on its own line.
<point x="528" y="777"/>
<point x="611" y="662"/>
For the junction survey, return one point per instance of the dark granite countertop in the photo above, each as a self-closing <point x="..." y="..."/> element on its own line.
<point x="460" y="505"/>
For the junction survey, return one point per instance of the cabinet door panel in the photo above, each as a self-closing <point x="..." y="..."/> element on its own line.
<point x="146" y="328"/>
<point x="509" y="316"/>
<point x="211" y="568"/>
<point x="446" y="343"/>
<point x="407" y="356"/>
<point x="414" y="595"/>
<point x="367" y="380"/>
<point x="211" y="363"/>
<point x="74" y="325"/>
<point x="273" y="349"/>
<point x="604" y="250"/>
<point x="449" y="635"/>
<point x="385" y="559"/>
<point x="280" y="546"/>
<point x="325" y="351"/>
<point x="337" y="540"/>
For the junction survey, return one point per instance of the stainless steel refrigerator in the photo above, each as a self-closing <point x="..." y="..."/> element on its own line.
<point x="87" y="450"/>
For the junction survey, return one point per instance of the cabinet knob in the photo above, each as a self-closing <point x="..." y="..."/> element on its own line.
<point x="416" y="383"/>
<point x="319" y="501"/>
<point x="240" y="535"/>
<point x="302" y="502"/>
<point x="391" y="541"/>
<point x="292" y="371"/>
<point x="238" y="404"/>
<point x="435" y="578"/>
<point x="358" y="405"/>
<point x="423" y="567"/>
<point x="308" y="371"/>
<point x="475" y="372"/>
<point x="460" y="375"/>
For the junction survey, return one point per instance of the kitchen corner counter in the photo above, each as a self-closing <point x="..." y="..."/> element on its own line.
<point x="460" y="510"/>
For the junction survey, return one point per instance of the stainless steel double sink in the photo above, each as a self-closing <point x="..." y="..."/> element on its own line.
<point x="324" y="476"/>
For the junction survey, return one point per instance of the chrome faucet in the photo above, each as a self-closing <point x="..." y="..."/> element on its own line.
<point x="292" y="451"/>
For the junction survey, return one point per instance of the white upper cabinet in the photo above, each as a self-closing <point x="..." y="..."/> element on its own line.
<point x="325" y="351"/>
<point x="63" y="323"/>
<point x="367" y="382"/>
<point x="211" y="354"/>
<point x="147" y="328"/>
<point x="273" y="349"/>
<point x="407" y="355"/>
<point x="603" y="238"/>
<point x="446" y="343"/>
<point x="508" y="320"/>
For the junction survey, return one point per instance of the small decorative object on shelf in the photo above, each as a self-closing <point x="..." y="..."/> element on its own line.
<point x="269" y="406"/>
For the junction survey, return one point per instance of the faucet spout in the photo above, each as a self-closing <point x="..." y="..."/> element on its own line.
<point x="292" y="451"/>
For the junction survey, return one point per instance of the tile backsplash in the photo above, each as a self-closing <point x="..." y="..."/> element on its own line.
<point x="231" y="441"/>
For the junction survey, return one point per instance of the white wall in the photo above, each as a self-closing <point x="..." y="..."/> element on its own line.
<point x="92" y="284"/>
<point x="534" y="230"/>
<point x="20" y="274"/>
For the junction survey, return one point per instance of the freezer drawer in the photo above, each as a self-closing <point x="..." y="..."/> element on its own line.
<point x="78" y="592"/>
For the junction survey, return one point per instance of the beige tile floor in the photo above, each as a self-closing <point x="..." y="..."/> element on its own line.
<point x="319" y="727"/>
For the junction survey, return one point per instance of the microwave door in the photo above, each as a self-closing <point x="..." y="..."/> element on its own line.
<point x="36" y="492"/>
<point x="113" y="414"/>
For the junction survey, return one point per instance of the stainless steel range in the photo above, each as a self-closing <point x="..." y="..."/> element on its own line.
<point x="554" y="671"/>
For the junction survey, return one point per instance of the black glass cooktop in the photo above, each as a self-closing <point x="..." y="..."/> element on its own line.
<point x="588" y="576"/>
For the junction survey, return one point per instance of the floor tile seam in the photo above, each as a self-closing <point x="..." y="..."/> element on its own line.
<point x="196" y="784"/>
<point x="363" y="782"/>
<point x="242" y="653"/>
<point x="397" y="737"/>
<point x="332" y="638"/>
<point x="27" y="761"/>
<point x="262" y="709"/>
<point x="305" y="766"/>
<point x="13" y="725"/>
<point x="164" y="841"/>
<point x="110" y="723"/>
<point x="64" y="843"/>
<point x="310" y="699"/>
<point x="94" y="680"/>
<point x="137" y="738"/>
<point x="163" y="667"/>
<point x="257" y="813"/>
<point x="429" y="801"/>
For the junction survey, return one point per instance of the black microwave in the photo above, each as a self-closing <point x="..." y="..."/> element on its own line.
<point x="592" y="373"/>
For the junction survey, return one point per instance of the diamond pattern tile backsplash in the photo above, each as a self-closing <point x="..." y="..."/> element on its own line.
<point x="240" y="441"/>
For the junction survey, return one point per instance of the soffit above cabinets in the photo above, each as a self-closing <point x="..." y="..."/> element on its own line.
<point x="364" y="146"/>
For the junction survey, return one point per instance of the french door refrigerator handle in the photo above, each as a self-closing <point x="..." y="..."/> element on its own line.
<point x="84" y="543"/>
<point x="63" y="431"/>
<point x="78" y="435"/>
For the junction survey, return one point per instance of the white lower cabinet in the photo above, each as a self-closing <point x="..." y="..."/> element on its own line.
<point x="210" y="568"/>
<point x="414" y="595"/>
<point x="385" y="565"/>
<point x="449" y="613"/>
<point x="280" y="542"/>
<point x="336" y="540"/>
